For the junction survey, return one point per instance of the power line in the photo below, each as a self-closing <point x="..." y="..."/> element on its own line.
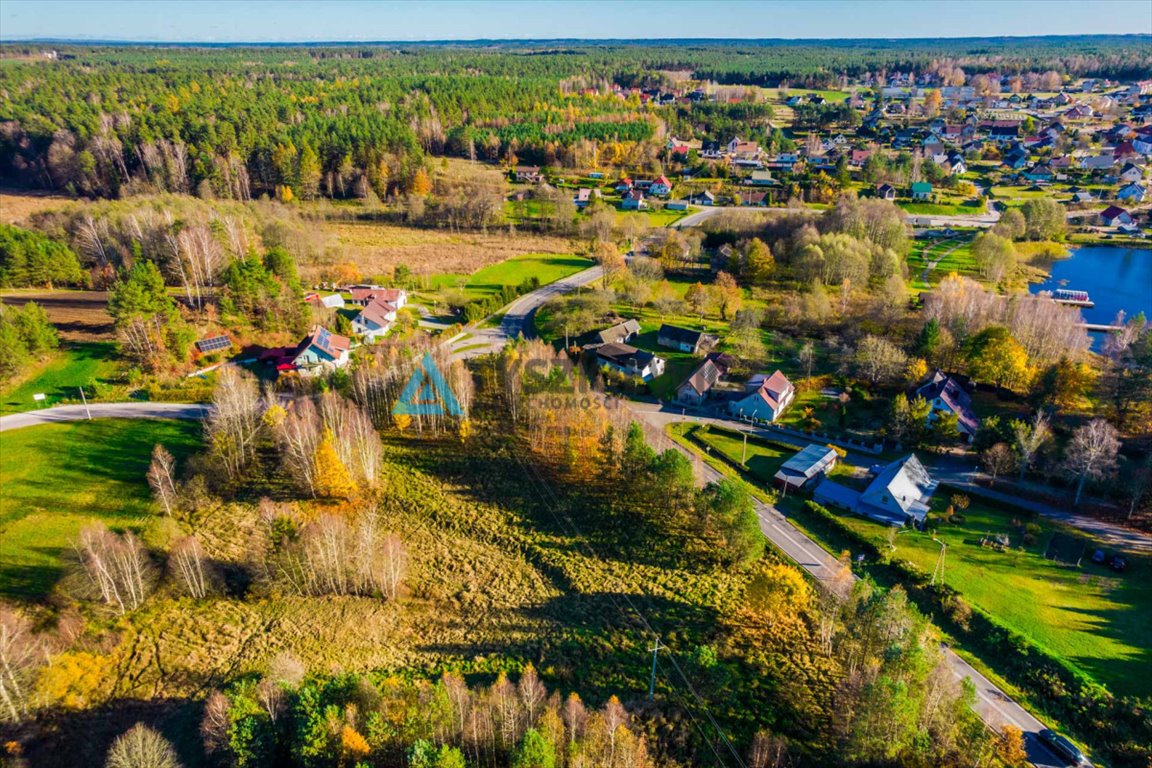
<point x="550" y="502"/>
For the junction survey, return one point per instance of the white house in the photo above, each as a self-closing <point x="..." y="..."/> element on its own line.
<point x="375" y="320"/>
<point x="630" y="361"/>
<point x="900" y="493"/>
<point x="661" y="186"/>
<point x="767" y="401"/>
<point x="1131" y="193"/>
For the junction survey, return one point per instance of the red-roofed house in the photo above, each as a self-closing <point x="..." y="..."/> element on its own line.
<point x="320" y="351"/>
<point x="767" y="401"/>
<point x="375" y="320"/>
<point x="661" y="186"/>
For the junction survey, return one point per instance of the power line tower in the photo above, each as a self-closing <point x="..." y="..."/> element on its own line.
<point x="652" y="681"/>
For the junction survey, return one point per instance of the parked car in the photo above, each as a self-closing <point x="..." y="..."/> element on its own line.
<point x="1118" y="563"/>
<point x="1063" y="748"/>
<point x="1098" y="557"/>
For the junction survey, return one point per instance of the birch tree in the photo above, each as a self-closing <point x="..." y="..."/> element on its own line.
<point x="161" y="477"/>
<point x="21" y="654"/>
<point x="234" y="423"/>
<point x="1029" y="438"/>
<point x="187" y="560"/>
<point x="117" y="567"/>
<point x="1092" y="453"/>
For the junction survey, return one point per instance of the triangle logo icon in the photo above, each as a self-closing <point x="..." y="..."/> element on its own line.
<point x="427" y="393"/>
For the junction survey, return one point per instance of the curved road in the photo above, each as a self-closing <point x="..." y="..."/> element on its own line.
<point x="992" y="705"/>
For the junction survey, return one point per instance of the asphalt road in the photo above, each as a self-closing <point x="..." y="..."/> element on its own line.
<point x="518" y="316"/>
<point x="993" y="706"/>
<point x="103" y="411"/>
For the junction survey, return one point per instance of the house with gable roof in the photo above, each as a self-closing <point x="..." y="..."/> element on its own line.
<point x="698" y="386"/>
<point x="767" y="401"/>
<point x="375" y="320"/>
<point x="899" y="493"/>
<point x="321" y="351"/>
<point x="946" y="395"/>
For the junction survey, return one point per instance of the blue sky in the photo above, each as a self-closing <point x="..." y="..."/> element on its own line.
<point x="297" y="20"/>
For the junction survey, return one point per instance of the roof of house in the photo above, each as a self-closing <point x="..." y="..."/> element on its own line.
<point x="808" y="462"/>
<point x="625" y="355"/>
<point x="376" y="312"/>
<point x="662" y="181"/>
<point x="921" y="186"/>
<point x="703" y="378"/>
<point x="1112" y="211"/>
<point x="773" y="389"/>
<point x="954" y="396"/>
<point x="680" y="335"/>
<point x="625" y="328"/>
<point x="331" y="344"/>
<point x="901" y="487"/>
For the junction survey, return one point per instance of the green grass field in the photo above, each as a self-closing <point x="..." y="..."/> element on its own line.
<point x="761" y="457"/>
<point x="57" y="478"/>
<point x="73" y="365"/>
<point x="547" y="267"/>
<point x="1098" y="620"/>
<point x="940" y="209"/>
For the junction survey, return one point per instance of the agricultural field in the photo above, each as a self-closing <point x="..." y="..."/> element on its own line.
<point x="77" y="315"/>
<point x="74" y="365"/>
<point x="1094" y="618"/>
<point x="377" y="249"/>
<point x="18" y="206"/>
<point x="57" y="478"/>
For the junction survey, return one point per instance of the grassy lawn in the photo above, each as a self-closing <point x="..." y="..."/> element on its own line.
<point x="1098" y="620"/>
<point x="57" y="478"/>
<point x="763" y="458"/>
<point x="861" y="417"/>
<point x="547" y="267"/>
<point x="940" y="209"/>
<point x="74" y="365"/>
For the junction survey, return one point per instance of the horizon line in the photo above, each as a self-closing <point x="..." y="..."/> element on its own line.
<point x="521" y="40"/>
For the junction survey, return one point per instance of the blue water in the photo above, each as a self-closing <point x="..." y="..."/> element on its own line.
<point x="1115" y="278"/>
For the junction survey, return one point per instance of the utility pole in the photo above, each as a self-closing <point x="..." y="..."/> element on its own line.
<point x="744" y="455"/>
<point x="652" y="682"/>
<point x="938" y="571"/>
<point x="85" y="401"/>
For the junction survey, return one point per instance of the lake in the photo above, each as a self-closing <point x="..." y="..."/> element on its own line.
<point x="1115" y="278"/>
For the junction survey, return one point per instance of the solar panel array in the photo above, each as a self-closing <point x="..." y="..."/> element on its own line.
<point x="213" y="343"/>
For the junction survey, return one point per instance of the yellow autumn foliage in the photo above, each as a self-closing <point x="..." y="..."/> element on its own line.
<point x="72" y="680"/>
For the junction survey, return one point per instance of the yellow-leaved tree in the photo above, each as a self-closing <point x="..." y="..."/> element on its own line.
<point x="332" y="478"/>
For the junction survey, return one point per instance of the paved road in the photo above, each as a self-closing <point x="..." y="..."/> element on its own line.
<point x="518" y="316"/>
<point x="993" y="706"/>
<point x="103" y="411"/>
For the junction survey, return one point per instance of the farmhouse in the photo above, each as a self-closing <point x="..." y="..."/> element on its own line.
<point x="528" y="173"/>
<point x="684" y="340"/>
<point x="375" y="320"/>
<point x="767" y="401"/>
<point x="945" y="395"/>
<point x="331" y="301"/>
<point x="619" y="333"/>
<point x="696" y="387"/>
<point x="633" y="201"/>
<point x="630" y="361"/>
<point x="815" y="460"/>
<point x="921" y="190"/>
<point x="320" y="351"/>
<point x="899" y="494"/>
<point x="1131" y="193"/>
<point x="1115" y="216"/>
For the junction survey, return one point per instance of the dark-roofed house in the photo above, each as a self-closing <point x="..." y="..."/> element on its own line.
<point x="899" y="493"/>
<point x="805" y="465"/>
<point x="630" y="361"/>
<point x="684" y="340"/>
<point x="1115" y="216"/>
<point x="619" y="333"/>
<point x="321" y="351"/>
<point x="886" y="192"/>
<point x="767" y="401"/>
<point x="696" y="387"/>
<point x="945" y="394"/>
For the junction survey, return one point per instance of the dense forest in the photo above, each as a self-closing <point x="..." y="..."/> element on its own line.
<point x="348" y="121"/>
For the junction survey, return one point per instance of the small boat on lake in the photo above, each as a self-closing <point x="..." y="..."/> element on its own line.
<point x="1072" y="297"/>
